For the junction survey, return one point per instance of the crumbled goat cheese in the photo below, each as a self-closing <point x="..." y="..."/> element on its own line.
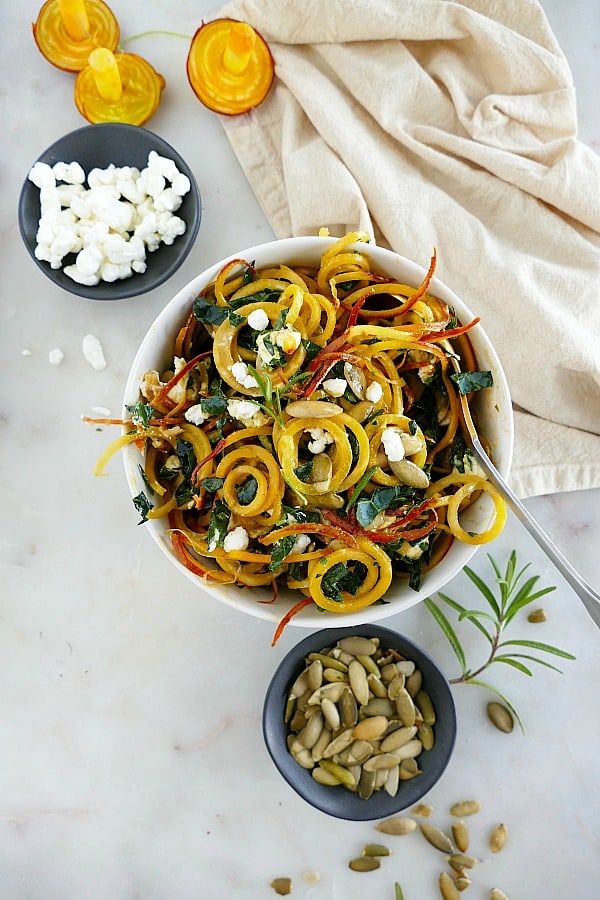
<point x="320" y="439"/>
<point x="335" y="387"/>
<point x="236" y="539"/>
<point x="392" y="444"/>
<point x="25" y="352"/>
<point x="93" y="352"/>
<point x="374" y="392"/>
<point x="101" y="411"/>
<point x="300" y="544"/>
<point x="243" y="376"/>
<point x="56" y="356"/>
<point x="195" y="415"/>
<point x="258" y="319"/>
<point x="247" y="412"/>
<point x="111" y="225"/>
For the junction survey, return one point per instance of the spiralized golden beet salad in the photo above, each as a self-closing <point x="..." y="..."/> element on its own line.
<point x="309" y="431"/>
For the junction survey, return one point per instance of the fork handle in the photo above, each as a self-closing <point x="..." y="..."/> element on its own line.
<point x="586" y="594"/>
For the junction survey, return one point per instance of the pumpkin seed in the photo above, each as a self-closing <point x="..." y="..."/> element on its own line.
<point x="331" y="713"/>
<point x="497" y="894"/>
<point x="410" y="750"/>
<point x="334" y="675"/>
<point x="538" y="615"/>
<point x="375" y="850"/>
<point x="330" y="661"/>
<point x="358" y="646"/>
<point x="380" y="761"/>
<point x="396" y="825"/>
<point x="465" y="808"/>
<point x="422" y="809"/>
<point x="414" y="683"/>
<point x="368" y="663"/>
<point x="376" y="685"/>
<point x="498" y="837"/>
<point x="500" y="716"/>
<point x="339" y="743"/>
<point x="405" y="708"/>
<point x="321" y="744"/>
<point x="462" y="882"/>
<point x="460" y="833"/>
<point x="371" y="728"/>
<point x="366" y="784"/>
<point x="299" y="686"/>
<point x="408" y="769"/>
<point x="395" y="686"/>
<point x="340" y="772"/>
<point x="282" y="886"/>
<point x="392" y="782"/>
<point x="423" y="701"/>
<point x="311" y="732"/>
<point x="426" y="736"/>
<point x="333" y="692"/>
<point x="448" y="888"/>
<point x="314" y="674"/>
<point x="436" y="837"/>
<point x="460" y="861"/>
<point x="348" y="708"/>
<point x="308" y="409"/>
<point x="378" y="706"/>
<point x="397" y="738"/>
<point x="304" y="758"/>
<point x="358" y="682"/>
<point x="364" y="864"/>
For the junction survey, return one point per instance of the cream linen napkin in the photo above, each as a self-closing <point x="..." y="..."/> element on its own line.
<point x="449" y="124"/>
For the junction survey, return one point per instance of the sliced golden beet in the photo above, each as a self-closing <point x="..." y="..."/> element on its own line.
<point x="60" y="47"/>
<point x="141" y="87"/>
<point x="229" y="66"/>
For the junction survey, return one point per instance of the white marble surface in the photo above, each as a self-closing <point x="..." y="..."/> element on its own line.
<point x="131" y="756"/>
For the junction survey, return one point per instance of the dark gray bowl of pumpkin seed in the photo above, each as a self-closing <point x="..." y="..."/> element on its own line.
<point x="360" y="721"/>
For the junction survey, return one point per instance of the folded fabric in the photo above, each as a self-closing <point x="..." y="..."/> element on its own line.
<point x="451" y="125"/>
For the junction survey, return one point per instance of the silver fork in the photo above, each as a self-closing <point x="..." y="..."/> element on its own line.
<point x="589" y="597"/>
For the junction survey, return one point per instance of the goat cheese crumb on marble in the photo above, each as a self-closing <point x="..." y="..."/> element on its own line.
<point x="56" y="356"/>
<point x="93" y="352"/>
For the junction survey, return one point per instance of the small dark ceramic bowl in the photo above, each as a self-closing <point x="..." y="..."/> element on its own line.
<point x="336" y="800"/>
<point x="123" y="145"/>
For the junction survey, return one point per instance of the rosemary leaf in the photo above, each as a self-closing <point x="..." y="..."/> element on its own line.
<point x="448" y="630"/>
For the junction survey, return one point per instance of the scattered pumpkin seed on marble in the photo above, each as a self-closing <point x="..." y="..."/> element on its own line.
<point x="497" y="894"/>
<point x="448" y="888"/>
<point x="436" y="837"/>
<point x="364" y="864"/>
<point x="460" y="834"/>
<point x="465" y="808"/>
<point x="537" y="615"/>
<point x="500" y="716"/>
<point x="498" y="837"/>
<point x="396" y="825"/>
<point x="375" y="850"/>
<point x="423" y="809"/>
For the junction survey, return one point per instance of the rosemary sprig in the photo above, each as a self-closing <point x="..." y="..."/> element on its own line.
<point x="512" y="595"/>
<point x="271" y="397"/>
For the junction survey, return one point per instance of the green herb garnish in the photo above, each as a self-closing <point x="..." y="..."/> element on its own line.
<point x="512" y="595"/>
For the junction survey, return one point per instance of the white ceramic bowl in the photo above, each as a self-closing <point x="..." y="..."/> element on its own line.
<point x="494" y="415"/>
